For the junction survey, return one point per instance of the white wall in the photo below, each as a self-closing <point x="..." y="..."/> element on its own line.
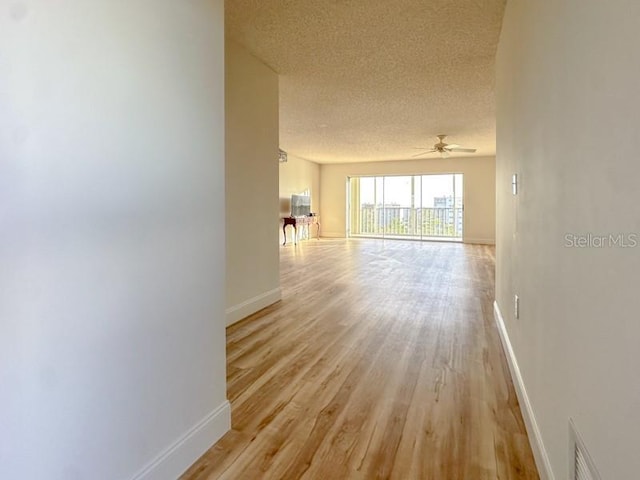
<point x="112" y="341"/>
<point x="568" y="103"/>
<point x="296" y="176"/>
<point x="479" y="191"/>
<point x="253" y="273"/>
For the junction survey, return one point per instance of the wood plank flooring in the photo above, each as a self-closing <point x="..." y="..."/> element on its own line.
<point x="381" y="362"/>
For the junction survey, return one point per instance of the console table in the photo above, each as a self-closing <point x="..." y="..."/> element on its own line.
<point x="295" y="222"/>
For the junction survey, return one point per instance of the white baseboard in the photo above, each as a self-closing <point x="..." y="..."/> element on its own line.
<point x="184" y="452"/>
<point x="246" y="308"/>
<point x="535" y="437"/>
<point x="332" y="234"/>
<point x="480" y="241"/>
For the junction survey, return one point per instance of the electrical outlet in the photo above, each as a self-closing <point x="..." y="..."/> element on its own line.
<point x="516" y="306"/>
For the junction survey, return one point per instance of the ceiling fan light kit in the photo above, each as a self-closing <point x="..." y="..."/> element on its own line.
<point x="445" y="149"/>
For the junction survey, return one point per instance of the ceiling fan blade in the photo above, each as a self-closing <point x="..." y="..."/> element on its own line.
<point x="424" y="153"/>
<point x="462" y="150"/>
<point x="453" y="145"/>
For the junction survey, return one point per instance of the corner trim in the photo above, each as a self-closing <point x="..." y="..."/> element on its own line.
<point x="479" y="241"/>
<point x="179" y="456"/>
<point x="535" y="437"/>
<point x="252" y="305"/>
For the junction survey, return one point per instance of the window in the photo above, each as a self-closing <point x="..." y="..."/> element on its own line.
<point x="411" y="206"/>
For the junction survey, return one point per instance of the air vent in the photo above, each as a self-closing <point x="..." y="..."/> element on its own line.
<point x="582" y="467"/>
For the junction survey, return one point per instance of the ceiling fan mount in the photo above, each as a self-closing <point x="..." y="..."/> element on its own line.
<point x="444" y="149"/>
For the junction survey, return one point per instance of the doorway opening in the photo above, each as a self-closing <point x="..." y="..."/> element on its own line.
<point x="416" y="207"/>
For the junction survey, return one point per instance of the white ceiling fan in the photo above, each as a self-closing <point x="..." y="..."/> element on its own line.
<point x="444" y="149"/>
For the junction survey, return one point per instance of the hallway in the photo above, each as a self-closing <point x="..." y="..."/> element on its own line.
<point x="381" y="361"/>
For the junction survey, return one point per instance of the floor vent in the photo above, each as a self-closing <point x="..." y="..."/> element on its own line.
<point x="582" y="467"/>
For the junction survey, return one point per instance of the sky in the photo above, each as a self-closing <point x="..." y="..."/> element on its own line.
<point x="397" y="189"/>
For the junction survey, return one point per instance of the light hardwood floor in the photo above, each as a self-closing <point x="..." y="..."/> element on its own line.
<point x="381" y="361"/>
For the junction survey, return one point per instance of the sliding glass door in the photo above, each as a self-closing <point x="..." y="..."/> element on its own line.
<point x="406" y="206"/>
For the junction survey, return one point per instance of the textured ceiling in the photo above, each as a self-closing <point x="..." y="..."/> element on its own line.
<point x="364" y="80"/>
